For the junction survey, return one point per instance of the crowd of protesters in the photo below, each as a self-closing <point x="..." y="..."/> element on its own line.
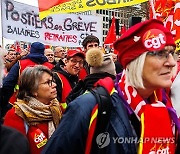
<point x="81" y="101"/>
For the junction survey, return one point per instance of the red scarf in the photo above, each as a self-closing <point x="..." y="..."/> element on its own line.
<point x="156" y="124"/>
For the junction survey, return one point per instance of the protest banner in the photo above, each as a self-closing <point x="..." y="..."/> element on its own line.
<point x="67" y="6"/>
<point x="21" y="22"/>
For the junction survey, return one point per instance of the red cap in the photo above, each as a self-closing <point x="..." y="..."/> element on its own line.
<point x="74" y="52"/>
<point x="150" y="35"/>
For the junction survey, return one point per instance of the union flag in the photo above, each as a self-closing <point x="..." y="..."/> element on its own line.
<point x="43" y="6"/>
<point x="161" y="9"/>
<point x="111" y="35"/>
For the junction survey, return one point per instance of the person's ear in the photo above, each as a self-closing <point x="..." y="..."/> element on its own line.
<point x="66" y="61"/>
<point x="35" y="94"/>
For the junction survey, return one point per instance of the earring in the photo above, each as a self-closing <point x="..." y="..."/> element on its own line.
<point x="35" y="95"/>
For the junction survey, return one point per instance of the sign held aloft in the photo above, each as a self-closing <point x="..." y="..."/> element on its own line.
<point x="21" y="22"/>
<point x="83" y="5"/>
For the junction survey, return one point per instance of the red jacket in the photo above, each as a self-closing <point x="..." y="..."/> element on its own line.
<point x="66" y="87"/>
<point x="27" y="62"/>
<point x="13" y="120"/>
<point x="82" y="74"/>
<point x="22" y="65"/>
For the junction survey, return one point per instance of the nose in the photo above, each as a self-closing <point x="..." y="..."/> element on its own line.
<point x="171" y="62"/>
<point x="53" y="84"/>
<point x="77" y="64"/>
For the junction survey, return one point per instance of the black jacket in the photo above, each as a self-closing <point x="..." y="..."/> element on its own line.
<point x="12" y="141"/>
<point x="70" y="136"/>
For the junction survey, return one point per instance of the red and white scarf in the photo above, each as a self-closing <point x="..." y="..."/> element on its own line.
<point x="135" y="101"/>
<point x="156" y="124"/>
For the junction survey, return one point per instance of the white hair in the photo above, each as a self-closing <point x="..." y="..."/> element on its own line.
<point x="134" y="71"/>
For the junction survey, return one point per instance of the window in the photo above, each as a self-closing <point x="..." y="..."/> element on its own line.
<point x="107" y="19"/>
<point x="104" y="19"/>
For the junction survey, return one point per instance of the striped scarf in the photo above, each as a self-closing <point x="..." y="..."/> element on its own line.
<point x="156" y="123"/>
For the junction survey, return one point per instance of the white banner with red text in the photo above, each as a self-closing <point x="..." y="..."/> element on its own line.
<point x="21" y="22"/>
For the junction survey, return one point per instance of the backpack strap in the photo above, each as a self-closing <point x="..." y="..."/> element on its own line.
<point x="103" y="99"/>
<point x="100" y="117"/>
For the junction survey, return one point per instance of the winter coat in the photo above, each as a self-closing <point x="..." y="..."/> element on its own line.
<point x="14" y="121"/>
<point x="70" y="137"/>
<point x="12" y="141"/>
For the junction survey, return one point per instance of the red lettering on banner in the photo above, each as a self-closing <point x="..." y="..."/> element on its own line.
<point x="60" y="37"/>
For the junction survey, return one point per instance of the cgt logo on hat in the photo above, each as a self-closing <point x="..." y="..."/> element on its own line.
<point x="153" y="36"/>
<point x="154" y="40"/>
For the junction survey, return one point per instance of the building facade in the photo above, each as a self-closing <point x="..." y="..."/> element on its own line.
<point x="123" y="16"/>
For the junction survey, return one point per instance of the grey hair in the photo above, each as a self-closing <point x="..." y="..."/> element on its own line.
<point x="29" y="81"/>
<point x="134" y="71"/>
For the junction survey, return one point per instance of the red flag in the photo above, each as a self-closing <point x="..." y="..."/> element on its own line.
<point x="17" y="46"/>
<point x="45" y="5"/>
<point x="176" y="19"/>
<point x="12" y="47"/>
<point x="123" y="30"/>
<point x="168" y="9"/>
<point x="111" y="35"/>
<point x="156" y="9"/>
<point x="161" y="9"/>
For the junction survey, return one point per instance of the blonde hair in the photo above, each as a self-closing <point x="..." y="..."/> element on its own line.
<point x="134" y="71"/>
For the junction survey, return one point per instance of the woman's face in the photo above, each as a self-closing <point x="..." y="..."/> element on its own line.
<point x="157" y="71"/>
<point x="47" y="89"/>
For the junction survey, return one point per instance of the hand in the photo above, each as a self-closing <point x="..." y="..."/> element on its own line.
<point x="24" y="52"/>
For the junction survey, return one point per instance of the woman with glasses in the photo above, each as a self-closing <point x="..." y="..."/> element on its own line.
<point x="142" y="119"/>
<point x="147" y="53"/>
<point x="37" y="113"/>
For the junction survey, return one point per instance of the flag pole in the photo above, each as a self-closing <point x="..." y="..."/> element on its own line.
<point x="153" y="8"/>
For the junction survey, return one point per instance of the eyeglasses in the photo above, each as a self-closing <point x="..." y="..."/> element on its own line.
<point x="178" y="53"/>
<point x="50" y="55"/>
<point x="74" y="61"/>
<point x="12" y="54"/>
<point x="49" y="82"/>
<point x="92" y="45"/>
<point x="163" y="54"/>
